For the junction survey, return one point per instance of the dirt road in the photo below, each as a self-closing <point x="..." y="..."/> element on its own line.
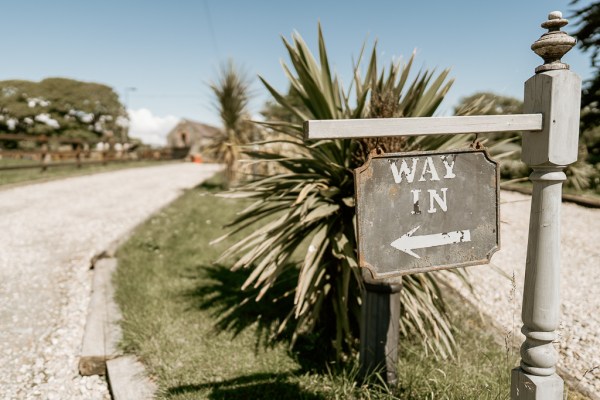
<point x="48" y="234"/>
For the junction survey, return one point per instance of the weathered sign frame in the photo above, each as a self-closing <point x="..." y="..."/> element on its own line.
<point x="375" y="275"/>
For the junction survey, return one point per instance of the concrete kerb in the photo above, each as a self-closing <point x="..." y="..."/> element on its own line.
<point x="100" y="353"/>
<point x="128" y="380"/>
<point x="102" y="330"/>
<point x="126" y="376"/>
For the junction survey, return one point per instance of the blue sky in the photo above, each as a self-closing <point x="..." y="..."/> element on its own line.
<point x="169" y="50"/>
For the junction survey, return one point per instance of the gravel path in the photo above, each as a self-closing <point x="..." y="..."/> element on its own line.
<point x="579" y="332"/>
<point x="49" y="232"/>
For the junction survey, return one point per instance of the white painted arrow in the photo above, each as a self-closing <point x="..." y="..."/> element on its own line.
<point x="407" y="243"/>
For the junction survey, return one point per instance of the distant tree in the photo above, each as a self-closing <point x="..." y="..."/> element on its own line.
<point x="232" y="95"/>
<point x="508" y="146"/>
<point x="61" y="107"/>
<point x="588" y="38"/>
<point x="488" y="103"/>
<point x="273" y="111"/>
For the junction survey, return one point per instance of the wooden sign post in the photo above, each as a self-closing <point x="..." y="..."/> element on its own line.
<point x="551" y="122"/>
<point x="555" y="92"/>
<point x="417" y="212"/>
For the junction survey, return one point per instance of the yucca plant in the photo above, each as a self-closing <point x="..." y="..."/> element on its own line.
<point x="232" y="96"/>
<point x="310" y="207"/>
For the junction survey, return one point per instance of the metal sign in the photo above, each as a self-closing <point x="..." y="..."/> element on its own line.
<point x="426" y="211"/>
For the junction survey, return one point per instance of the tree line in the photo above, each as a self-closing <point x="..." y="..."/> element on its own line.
<point x="62" y="107"/>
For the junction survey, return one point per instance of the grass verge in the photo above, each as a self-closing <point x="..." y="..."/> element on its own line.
<point x="176" y="306"/>
<point x="21" y="176"/>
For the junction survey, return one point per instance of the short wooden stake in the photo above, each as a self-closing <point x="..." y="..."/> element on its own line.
<point x="379" y="330"/>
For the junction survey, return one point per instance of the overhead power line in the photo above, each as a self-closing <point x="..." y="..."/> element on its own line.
<point x="211" y="29"/>
<point x="166" y="95"/>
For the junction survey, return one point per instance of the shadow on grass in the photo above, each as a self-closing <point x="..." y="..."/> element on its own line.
<point x="255" y="386"/>
<point x="219" y="293"/>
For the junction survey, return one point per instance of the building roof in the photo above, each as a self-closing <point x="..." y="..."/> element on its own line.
<point x="194" y="129"/>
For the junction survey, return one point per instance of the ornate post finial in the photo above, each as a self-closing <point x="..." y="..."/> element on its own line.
<point x="554" y="44"/>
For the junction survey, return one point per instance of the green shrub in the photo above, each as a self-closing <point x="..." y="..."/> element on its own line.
<point x="313" y="200"/>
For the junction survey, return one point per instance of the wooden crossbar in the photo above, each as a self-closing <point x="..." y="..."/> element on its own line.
<point x="382" y="127"/>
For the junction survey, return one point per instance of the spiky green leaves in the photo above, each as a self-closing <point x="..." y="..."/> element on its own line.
<point x="310" y="206"/>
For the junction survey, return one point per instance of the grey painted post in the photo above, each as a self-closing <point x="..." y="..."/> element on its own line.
<point x="556" y="93"/>
<point x="379" y="329"/>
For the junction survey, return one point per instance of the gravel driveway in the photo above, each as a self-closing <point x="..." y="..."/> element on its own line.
<point x="579" y="332"/>
<point x="49" y="232"/>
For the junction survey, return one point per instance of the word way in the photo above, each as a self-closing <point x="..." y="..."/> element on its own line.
<point x="407" y="172"/>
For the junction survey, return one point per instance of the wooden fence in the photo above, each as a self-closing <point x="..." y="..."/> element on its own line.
<point x="19" y="151"/>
